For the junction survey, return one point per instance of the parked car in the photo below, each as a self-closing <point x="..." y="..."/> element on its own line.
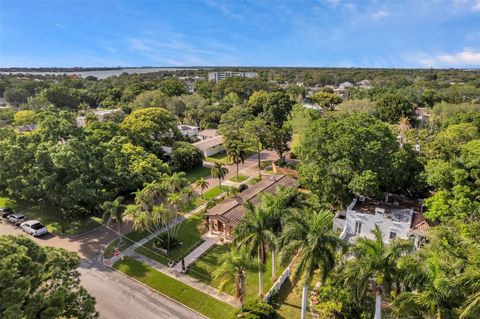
<point x="17" y="219"/>
<point x="5" y="211"/>
<point x="34" y="228"/>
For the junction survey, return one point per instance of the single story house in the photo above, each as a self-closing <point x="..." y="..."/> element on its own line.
<point x="397" y="217"/>
<point x="223" y="217"/>
<point x="211" y="146"/>
<point x="188" y="130"/>
<point x="207" y="134"/>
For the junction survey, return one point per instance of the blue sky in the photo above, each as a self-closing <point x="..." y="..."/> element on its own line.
<point x="401" y="33"/>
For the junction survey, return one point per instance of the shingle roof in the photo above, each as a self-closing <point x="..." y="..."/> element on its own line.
<point x="211" y="132"/>
<point x="231" y="210"/>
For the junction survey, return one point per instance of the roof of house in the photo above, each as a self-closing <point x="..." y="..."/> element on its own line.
<point x="211" y="142"/>
<point x="420" y="226"/>
<point x="209" y="133"/>
<point x="184" y="128"/>
<point x="231" y="210"/>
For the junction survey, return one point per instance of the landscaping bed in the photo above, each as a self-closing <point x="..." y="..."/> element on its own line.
<point x="203" y="268"/>
<point x="189" y="234"/>
<point x="184" y="294"/>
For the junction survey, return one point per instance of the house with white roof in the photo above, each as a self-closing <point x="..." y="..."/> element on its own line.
<point x="188" y="130"/>
<point x="396" y="216"/>
<point x="211" y="146"/>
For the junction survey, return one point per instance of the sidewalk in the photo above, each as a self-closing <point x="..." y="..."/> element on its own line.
<point x="209" y="242"/>
<point x="185" y="279"/>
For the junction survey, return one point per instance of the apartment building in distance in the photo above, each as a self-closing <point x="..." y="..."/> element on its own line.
<point x="219" y="76"/>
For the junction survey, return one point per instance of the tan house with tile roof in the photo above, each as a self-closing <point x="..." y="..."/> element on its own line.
<point x="223" y="217"/>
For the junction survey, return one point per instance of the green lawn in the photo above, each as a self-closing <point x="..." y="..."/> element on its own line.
<point x="222" y="157"/>
<point x="198" y="173"/>
<point x="240" y="178"/>
<point x="50" y="217"/>
<point x="289" y="301"/>
<point x="214" y="191"/>
<point x="205" y="265"/>
<point x="191" y="297"/>
<point x="127" y="241"/>
<point x="189" y="234"/>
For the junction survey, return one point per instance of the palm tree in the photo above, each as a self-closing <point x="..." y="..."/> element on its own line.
<point x="253" y="234"/>
<point x="236" y="153"/>
<point x="219" y="171"/>
<point x="469" y="281"/>
<point x="375" y="265"/>
<point x="175" y="182"/>
<point x="432" y="295"/>
<point x="232" y="271"/>
<point x="202" y="184"/>
<point x="113" y="210"/>
<point x="308" y="239"/>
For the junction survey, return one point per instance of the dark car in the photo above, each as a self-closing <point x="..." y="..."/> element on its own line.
<point x="5" y="212"/>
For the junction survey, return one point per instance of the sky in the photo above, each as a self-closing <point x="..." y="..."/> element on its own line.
<point x="307" y="33"/>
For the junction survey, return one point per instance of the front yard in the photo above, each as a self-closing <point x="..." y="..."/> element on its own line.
<point x="189" y="234"/>
<point x="191" y="297"/>
<point x="203" y="268"/>
<point x="50" y="217"/>
<point x="197" y="173"/>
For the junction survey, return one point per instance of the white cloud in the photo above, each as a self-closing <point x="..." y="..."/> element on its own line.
<point x="380" y="14"/>
<point x="466" y="58"/>
<point x="476" y="6"/>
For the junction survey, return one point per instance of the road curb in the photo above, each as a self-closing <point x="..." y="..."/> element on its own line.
<point x="153" y="290"/>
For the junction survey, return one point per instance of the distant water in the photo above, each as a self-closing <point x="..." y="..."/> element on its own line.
<point x="102" y="74"/>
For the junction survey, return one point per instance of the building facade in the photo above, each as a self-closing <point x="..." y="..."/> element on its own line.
<point x="219" y="76"/>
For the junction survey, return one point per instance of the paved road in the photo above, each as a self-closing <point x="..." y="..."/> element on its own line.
<point x="118" y="297"/>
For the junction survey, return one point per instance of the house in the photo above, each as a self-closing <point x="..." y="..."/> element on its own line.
<point x="102" y="115"/>
<point x="423" y="116"/>
<point x="343" y="86"/>
<point x="188" y="130"/>
<point x="397" y="217"/>
<point x="223" y="217"/>
<point x="211" y="146"/>
<point x="207" y="134"/>
<point x="219" y="76"/>
<point x="364" y="84"/>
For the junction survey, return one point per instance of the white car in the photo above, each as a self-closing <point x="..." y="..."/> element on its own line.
<point x="34" y="228"/>
<point x="17" y="219"/>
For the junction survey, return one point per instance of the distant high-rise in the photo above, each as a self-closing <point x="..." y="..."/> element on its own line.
<point x="219" y="76"/>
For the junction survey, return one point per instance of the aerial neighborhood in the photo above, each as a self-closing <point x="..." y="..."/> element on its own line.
<point x="239" y="159"/>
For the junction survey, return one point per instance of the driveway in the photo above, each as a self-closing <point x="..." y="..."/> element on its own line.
<point x="117" y="296"/>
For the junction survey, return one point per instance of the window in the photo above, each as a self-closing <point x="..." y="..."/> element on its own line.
<point x="393" y="235"/>
<point x="358" y="228"/>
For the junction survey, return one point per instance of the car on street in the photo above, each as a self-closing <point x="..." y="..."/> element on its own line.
<point x="17" y="219"/>
<point x="34" y="228"/>
<point x="5" y="211"/>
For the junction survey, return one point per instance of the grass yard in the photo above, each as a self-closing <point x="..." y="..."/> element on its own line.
<point x="240" y="178"/>
<point x="128" y="240"/>
<point x="214" y="191"/>
<point x="189" y="234"/>
<point x="50" y="217"/>
<point x="218" y="158"/>
<point x="198" y="173"/>
<point x="191" y="297"/>
<point x="203" y="268"/>
<point x="289" y="301"/>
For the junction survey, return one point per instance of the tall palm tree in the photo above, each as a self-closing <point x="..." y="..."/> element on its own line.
<point x="219" y="171"/>
<point x="469" y="281"/>
<point x="202" y="184"/>
<point x="432" y="293"/>
<point x="236" y="153"/>
<point x="375" y="265"/>
<point x="175" y="182"/>
<point x="253" y="234"/>
<point x="308" y="239"/>
<point x="232" y="271"/>
<point x="113" y="210"/>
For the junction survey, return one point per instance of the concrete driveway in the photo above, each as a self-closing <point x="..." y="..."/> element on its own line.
<point x="117" y="296"/>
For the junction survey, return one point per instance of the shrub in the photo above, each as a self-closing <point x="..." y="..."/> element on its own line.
<point x="185" y="157"/>
<point x="256" y="310"/>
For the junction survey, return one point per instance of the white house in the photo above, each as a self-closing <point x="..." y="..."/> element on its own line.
<point x="211" y="146"/>
<point x="345" y="85"/>
<point x="397" y="217"/>
<point x="188" y="130"/>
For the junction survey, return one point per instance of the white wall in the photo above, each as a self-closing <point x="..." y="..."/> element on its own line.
<point x="213" y="150"/>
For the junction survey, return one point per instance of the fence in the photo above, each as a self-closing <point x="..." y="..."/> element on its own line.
<point x="278" y="284"/>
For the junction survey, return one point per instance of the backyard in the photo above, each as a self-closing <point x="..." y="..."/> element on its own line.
<point x="197" y="173"/>
<point x="203" y="268"/>
<point x="289" y="300"/>
<point x="191" y="297"/>
<point x="189" y="234"/>
<point x="50" y="217"/>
